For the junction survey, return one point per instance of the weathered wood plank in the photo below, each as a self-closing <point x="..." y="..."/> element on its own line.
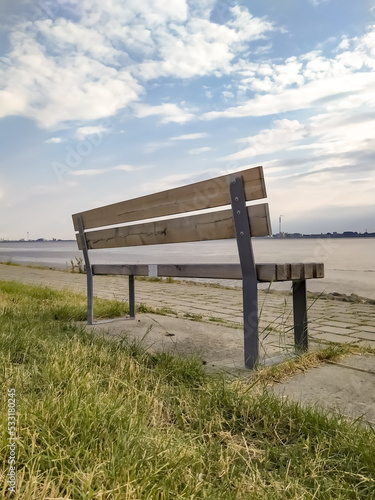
<point x="210" y="226"/>
<point x="265" y="272"/>
<point x="281" y="272"/>
<point x="296" y="271"/>
<point x="198" y="196"/>
<point x="207" y="226"/>
<point x="259" y="217"/>
<point x="219" y="271"/>
<point x="319" y="270"/>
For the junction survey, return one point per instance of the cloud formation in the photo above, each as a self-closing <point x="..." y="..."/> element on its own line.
<point x="84" y="62"/>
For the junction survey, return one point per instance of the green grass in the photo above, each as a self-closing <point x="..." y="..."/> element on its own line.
<point x="98" y="419"/>
<point x="193" y="317"/>
<point x="157" y="279"/>
<point x="11" y="263"/>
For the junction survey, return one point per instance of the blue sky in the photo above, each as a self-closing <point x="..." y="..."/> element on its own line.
<point x="104" y="101"/>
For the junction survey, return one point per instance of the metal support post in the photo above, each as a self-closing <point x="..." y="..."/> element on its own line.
<point x="90" y="284"/>
<point x="249" y="275"/>
<point x="131" y="297"/>
<point x="300" y="316"/>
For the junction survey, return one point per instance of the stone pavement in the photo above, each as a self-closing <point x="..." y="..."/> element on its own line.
<point x="329" y="320"/>
<point x="207" y="320"/>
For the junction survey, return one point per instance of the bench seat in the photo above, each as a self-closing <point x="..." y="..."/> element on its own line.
<point x="266" y="273"/>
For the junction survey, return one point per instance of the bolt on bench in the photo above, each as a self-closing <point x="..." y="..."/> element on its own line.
<point x="239" y="221"/>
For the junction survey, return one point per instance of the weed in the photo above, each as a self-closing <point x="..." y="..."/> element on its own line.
<point x="77" y="266"/>
<point x="193" y="317"/>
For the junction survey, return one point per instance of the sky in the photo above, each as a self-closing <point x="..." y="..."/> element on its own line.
<point x="106" y="101"/>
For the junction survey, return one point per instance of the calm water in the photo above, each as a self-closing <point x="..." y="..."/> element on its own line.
<point x="349" y="262"/>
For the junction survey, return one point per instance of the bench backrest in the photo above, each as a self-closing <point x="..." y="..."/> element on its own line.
<point x="212" y="224"/>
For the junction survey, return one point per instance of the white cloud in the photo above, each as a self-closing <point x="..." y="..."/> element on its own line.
<point x="167" y="182"/>
<point x="98" y="171"/>
<point x="124" y="168"/>
<point x="227" y="95"/>
<point x="285" y="133"/>
<point x="200" y="47"/>
<point x="88" y="172"/>
<point x="199" y="151"/>
<point x="324" y="85"/>
<point x="306" y="194"/>
<point x="65" y="35"/>
<point x="99" y="130"/>
<point x="54" y="140"/>
<point x="169" y="112"/>
<point x="56" y="89"/>
<point x="189" y="137"/>
<point x="317" y="2"/>
<point x="78" y="68"/>
<point x="309" y="81"/>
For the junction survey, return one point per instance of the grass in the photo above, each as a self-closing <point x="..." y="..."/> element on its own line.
<point x="157" y="279"/>
<point x="11" y="263"/>
<point x="193" y="317"/>
<point x="98" y="419"/>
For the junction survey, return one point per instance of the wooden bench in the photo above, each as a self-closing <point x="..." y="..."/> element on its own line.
<point x="235" y="219"/>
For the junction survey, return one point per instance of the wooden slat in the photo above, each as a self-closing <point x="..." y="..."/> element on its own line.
<point x="198" y="196"/>
<point x="265" y="272"/>
<point x="259" y="217"/>
<point x="296" y="271"/>
<point x="319" y="270"/>
<point x="208" y="226"/>
<point x="218" y="271"/>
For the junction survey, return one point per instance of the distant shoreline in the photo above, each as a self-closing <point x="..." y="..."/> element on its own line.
<point x="283" y="236"/>
<point x="36" y="241"/>
<point x="347" y="234"/>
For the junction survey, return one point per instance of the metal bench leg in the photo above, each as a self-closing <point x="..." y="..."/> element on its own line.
<point x="250" y="317"/>
<point x="90" y="285"/>
<point x="300" y="316"/>
<point x="90" y="293"/>
<point x="249" y="274"/>
<point x="131" y="297"/>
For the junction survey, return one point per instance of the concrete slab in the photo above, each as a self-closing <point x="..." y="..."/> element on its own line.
<point x="219" y="346"/>
<point x="347" y="386"/>
<point x="361" y="362"/>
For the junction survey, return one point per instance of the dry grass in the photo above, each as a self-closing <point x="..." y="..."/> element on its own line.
<point x="98" y="419"/>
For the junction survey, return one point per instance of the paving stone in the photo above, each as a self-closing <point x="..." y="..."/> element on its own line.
<point x="349" y="319"/>
<point x="333" y="329"/>
<point x="366" y="343"/>
<point x="364" y="335"/>
<point x="363" y="328"/>
<point x="335" y="324"/>
<point x="332" y="337"/>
